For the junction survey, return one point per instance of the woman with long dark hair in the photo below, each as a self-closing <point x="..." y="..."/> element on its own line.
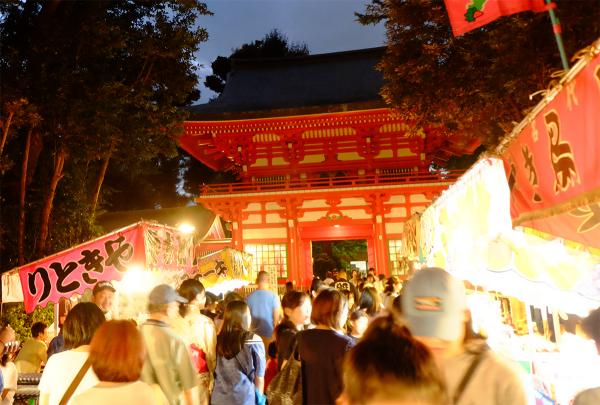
<point x="370" y="301"/>
<point x="296" y="314"/>
<point x="240" y="359"/>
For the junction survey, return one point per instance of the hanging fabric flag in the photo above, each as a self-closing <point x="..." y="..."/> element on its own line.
<point x="466" y="15"/>
<point x="551" y="160"/>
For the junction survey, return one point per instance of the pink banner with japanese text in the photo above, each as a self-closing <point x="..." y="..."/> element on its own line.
<point x="79" y="268"/>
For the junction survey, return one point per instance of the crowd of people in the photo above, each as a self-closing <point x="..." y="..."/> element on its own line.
<point x="352" y="341"/>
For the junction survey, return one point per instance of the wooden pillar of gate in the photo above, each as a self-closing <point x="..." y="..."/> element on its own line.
<point x="379" y="234"/>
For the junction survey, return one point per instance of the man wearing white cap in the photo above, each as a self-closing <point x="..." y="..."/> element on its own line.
<point x="435" y="309"/>
<point x="168" y="362"/>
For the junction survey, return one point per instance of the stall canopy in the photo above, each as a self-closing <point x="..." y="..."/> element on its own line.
<point x="551" y="158"/>
<point x="225" y="270"/>
<point x="547" y="186"/>
<point x="203" y="220"/>
<point x="142" y="245"/>
<point x="468" y="231"/>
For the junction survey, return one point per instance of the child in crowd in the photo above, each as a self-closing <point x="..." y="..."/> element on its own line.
<point x="272" y="364"/>
<point x="9" y="374"/>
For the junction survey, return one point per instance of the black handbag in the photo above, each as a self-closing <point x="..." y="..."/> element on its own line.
<point x="286" y="387"/>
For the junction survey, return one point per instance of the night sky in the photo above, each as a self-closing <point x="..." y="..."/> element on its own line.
<point x="324" y="25"/>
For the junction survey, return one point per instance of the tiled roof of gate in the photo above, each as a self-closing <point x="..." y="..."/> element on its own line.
<point x="326" y="80"/>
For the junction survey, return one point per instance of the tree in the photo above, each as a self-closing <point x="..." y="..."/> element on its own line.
<point x="273" y="45"/>
<point x="375" y="12"/>
<point x="107" y="80"/>
<point x="21" y="322"/>
<point x="12" y="109"/>
<point x="476" y="85"/>
<point x="331" y="254"/>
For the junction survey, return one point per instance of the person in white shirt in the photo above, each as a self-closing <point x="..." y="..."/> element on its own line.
<point x="117" y="355"/>
<point x="199" y="334"/>
<point x="62" y="368"/>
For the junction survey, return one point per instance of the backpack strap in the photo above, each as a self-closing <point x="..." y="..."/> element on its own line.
<point x="75" y="383"/>
<point x="467" y="377"/>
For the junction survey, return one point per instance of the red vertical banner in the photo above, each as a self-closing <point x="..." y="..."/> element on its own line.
<point x="552" y="165"/>
<point x="79" y="268"/>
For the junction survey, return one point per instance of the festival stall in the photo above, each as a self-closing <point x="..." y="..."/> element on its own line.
<point x="225" y="270"/>
<point x="524" y="231"/>
<point x="135" y="258"/>
<point x="468" y="231"/>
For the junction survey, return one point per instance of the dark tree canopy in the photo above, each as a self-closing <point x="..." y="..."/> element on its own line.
<point x="103" y="83"/>
<point x="478" y="84"/>
<point x="375" y="12"/>
<point x="273" y="45"/>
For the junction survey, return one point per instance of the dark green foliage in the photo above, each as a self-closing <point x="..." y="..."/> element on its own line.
<point x="476" y="85"/>
<point x="349" y="250"/>
<point x="375" y="12"/>
<point x="107" y="80"/>
<point x="328" y="255"/>
<point x="273" y="45"/>
<point x="21" y="322"/>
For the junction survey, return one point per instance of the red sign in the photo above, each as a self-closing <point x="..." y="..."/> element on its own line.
<point x="552" y="166"/>
<point x="81" y="267"/>
<point x="466" y="15"/>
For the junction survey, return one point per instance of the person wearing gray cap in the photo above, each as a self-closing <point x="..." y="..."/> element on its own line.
<point x="434" y="306"/>
<point x="168" y="362"/>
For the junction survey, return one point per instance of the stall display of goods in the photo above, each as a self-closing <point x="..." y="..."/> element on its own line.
<point x="526" y="225"/>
